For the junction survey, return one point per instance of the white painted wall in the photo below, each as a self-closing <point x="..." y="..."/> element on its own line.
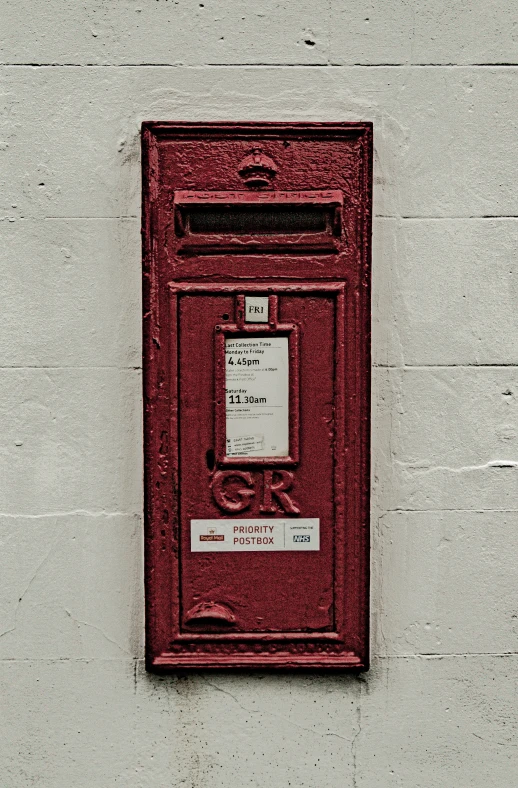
<point x="440" y="705"/>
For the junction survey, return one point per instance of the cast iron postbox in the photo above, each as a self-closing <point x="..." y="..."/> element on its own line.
<point x="256" y="370"/>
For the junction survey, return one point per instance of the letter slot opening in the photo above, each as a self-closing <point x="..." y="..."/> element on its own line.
<point x="257" y="220"/>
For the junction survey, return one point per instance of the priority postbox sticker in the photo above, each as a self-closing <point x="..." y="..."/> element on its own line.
<point x="220" y="536"/>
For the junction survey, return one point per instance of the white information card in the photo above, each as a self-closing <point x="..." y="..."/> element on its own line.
<point x="257" y="396"/>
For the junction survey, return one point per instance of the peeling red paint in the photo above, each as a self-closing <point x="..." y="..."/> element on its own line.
<point x="272" y="609"/>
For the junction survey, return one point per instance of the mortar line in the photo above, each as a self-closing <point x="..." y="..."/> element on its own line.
<point x="124" y="217"/>
<point x="138" y="368"/>
<point x="83" y="218"/>
<point x="22" y="660"/>
<point x="198" y="66"/>
<point x="382" y="512"/>
<point x="446" y="655"/>
<point x="71" y="513"/>
<point x="355" y="65"/>
<point x="511" y="365"/>
<point x="469" y="218"/>
<point x="71" y="366"/>
<point x="132" y="659"/>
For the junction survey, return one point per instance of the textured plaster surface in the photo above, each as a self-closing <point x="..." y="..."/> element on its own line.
<point x="439" y="81"/>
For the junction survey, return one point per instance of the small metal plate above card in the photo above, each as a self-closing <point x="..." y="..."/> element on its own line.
<point x="256" y="309"/>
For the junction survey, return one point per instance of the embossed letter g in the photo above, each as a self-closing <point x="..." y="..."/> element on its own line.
<point x="238" y="497"/>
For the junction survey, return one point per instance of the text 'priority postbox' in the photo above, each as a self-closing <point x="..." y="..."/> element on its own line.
<point x="257" y="381"/>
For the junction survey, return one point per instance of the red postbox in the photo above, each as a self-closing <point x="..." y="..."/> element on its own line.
<point x="257" y="381"/>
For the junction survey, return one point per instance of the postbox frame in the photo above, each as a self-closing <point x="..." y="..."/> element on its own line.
<point x="167" y="647"/>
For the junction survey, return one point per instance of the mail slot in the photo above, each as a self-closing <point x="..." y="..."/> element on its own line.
<point x="258" y="222"/>
<point x="256" y="247"/>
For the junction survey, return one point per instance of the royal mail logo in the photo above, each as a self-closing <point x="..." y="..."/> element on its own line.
<point x="212" y="536"/>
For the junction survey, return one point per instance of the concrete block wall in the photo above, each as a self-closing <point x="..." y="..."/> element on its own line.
<point x="439" y="81"/>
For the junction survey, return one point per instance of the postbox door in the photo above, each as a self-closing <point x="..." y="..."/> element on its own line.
<point x="250" y="586"/>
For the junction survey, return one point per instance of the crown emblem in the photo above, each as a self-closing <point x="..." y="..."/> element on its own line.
<point x="257" y="170"/>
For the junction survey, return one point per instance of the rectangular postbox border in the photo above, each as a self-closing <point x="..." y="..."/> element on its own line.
<point x="300" y="650"/>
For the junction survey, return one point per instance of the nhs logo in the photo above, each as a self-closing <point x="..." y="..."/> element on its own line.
<point x="302" y="534"/>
